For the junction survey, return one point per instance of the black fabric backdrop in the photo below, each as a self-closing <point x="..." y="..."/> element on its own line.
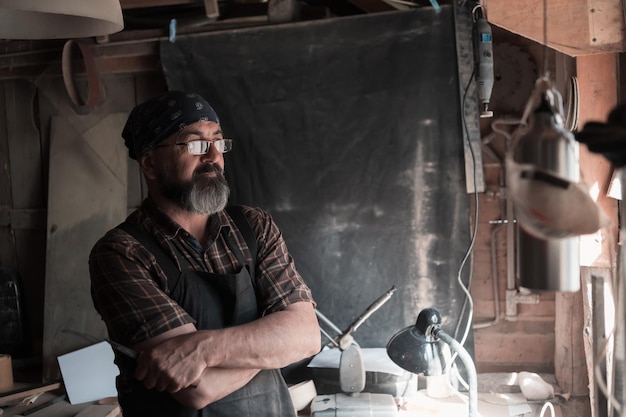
<point x="348" y="131"/>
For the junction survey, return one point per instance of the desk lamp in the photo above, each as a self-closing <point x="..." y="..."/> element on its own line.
<point x="418" y="349"/>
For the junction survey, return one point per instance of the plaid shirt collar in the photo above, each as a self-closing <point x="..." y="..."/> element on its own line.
<point x="170" y="229"/>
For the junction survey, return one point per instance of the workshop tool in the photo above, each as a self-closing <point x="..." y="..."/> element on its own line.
<point x="483" y="47"/>
<point x="345" y="339"/>
<point x="123" y="349"/>
<point x="352" y="400"/>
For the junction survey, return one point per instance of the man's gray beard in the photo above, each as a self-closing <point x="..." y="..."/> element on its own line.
<point x="208" y="195"/>
<point x="203" y="195"/>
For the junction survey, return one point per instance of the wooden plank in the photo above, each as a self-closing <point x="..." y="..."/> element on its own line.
<point x="100" y="410"/>
<point x="24" y="250"/>
<point x="24" y="146"/>
<point x="5" y="178"/>
<point x="522" y="349"/>
<point x="598" y="91"/>
<point x="574" y="27"/>
<point x="570" y="368"/>
<point x="8" y="256"/>
<point x="60" y="408"/>
<point x="594" y="287"/>
<point x="87" y="197"/>
<point x="25" y="391"/>
<point x="372" y="6"/>
<point x="127" y="56"/>
<point x="129" y="64"/>
<point x="604" y="17"/>
<point x="597" y="79"/>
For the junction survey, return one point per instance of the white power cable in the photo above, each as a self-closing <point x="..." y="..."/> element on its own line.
<point x="546" y="406"/>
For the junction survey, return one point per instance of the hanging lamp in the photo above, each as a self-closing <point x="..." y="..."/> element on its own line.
<point x="59" y="19"/>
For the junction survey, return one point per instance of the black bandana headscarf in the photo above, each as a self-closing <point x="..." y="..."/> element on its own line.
<point x="156" y="119"/>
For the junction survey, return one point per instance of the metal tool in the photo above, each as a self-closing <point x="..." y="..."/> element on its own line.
<point x="345" y="340"/>
<point x="123" y="349"/>
<point x="484" y="60"/>
<point x="131" y="353"/>
<point x="352" y="376"/>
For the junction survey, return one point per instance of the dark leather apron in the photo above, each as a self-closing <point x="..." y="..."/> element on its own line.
<point x="216" y="301"/>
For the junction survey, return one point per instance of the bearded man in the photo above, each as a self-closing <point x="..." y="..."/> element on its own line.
<point x="212" y="319"/>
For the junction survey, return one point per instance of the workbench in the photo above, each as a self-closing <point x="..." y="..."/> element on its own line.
<point x="496" y="398"/>
<point x="494" y="392"/>
<point x="53" y="404"/>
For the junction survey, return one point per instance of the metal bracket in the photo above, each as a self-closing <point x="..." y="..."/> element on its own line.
<point x="352" y="370"/>
<point x="515" y="297"/>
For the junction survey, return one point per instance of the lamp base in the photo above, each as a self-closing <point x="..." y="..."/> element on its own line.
<point x="422" y="404"/>
<point x="362" y="404"/>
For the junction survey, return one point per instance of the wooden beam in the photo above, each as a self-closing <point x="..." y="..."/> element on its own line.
<point x="211" y="8"/>
<point x="283" y="11"/>
<point x="570" y="368"/>
<point x="372" y="6"/>
<point x="597" y="78"/>
<point x="574" y="27"/>
<point x="598" y="86"/>
<point x="136" y="4"/>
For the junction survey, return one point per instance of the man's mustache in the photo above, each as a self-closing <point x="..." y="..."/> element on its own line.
<point x="208" y="169"/>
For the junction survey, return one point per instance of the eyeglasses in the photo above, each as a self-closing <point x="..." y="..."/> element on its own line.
<point x="201" y="147"/>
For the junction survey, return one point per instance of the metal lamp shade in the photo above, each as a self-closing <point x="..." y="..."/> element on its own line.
<point x="415" y="352"/>
<point x="59" y="19"/>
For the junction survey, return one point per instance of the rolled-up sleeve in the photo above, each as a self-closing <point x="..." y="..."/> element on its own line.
<point x="278" y="281"/>
<point x="129" y="290"/>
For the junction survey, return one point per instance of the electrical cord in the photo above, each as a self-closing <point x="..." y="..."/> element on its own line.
<point x="546" y="406"/>
<point x="468" y="297"/>
<point x="468" y="252"/>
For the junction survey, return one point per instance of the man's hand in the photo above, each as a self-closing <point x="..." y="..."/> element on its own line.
<point x="221" y="361"/>
<point x="171" y="365"/>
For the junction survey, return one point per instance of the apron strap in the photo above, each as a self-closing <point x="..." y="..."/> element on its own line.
<point x="163" y="259"/>
<point x="236" y="213"/>
<point x="167" y="263"/>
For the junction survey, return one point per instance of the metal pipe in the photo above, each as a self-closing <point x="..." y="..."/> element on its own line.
<point x="369" y="311"/>
<point x="495" y="278"/>
<point x="619" y="348"/>
<point x="511" y="256"/>
<point x="327" y="321"/>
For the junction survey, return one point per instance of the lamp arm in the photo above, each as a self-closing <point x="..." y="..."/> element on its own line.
<point x="469" y="367"/>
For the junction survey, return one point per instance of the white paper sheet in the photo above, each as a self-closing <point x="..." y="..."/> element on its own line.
<point x="89" y="373"/>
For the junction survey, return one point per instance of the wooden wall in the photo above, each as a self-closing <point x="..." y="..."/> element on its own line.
<point x="23" y="198"/>
<point x="526" y="340"/>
